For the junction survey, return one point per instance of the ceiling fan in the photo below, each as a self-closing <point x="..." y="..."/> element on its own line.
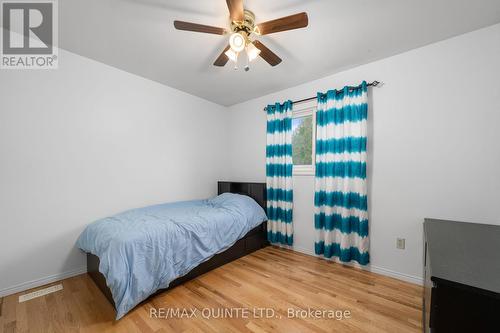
<point x="243" y="31"/>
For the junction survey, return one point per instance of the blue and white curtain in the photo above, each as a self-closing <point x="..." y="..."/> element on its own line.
<point x="279" y="168"/>
<point x="340" y="200"/>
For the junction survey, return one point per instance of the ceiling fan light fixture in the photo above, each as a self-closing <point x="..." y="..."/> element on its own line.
<point x="242" y="27"/>
<point x="237" y="42"/>
<point x="233" y="56"/>
<point x="252" y="52"/>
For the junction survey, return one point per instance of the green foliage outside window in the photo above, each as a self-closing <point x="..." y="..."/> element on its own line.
<point x="302" y="137"/>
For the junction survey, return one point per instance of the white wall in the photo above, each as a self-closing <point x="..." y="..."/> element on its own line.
<point x="86" y="141"/>
<point x="434" y="134"/>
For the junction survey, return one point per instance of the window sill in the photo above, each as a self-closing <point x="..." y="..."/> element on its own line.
<point x="303" y="170"/>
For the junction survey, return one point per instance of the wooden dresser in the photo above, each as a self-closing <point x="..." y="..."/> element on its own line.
<point x="462" y="277"/>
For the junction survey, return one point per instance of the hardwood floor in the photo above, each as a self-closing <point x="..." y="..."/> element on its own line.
<point x="271" y="278"/>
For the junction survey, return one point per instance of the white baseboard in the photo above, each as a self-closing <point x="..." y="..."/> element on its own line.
<point x="40" y="282"/>
<point x="61" y="276"/>
<point x="371" y="268"/>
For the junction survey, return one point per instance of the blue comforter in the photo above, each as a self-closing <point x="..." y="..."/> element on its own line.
<point x="143" y="250"/>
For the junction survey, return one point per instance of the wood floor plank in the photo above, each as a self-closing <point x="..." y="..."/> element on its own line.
<point x="271" y="278"/>
<point x="1" y="318"/>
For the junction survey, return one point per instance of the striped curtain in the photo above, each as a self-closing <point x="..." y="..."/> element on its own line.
<point x="279" y="168"/>
<point x="340" y="199"/>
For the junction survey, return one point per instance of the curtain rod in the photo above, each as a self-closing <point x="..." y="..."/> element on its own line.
<point x="371" y="84"/>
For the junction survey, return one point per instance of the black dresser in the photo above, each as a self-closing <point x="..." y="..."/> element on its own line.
<point x="462" y="277"/>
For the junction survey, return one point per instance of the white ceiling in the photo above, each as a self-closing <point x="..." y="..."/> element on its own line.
<point x="138" y="36"/>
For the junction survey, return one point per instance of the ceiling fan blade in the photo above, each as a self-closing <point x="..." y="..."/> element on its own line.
<point x="267" y="54"/>
<point x="235" y="9"/>
<point x="222" y="59"/>
<point x="296" y="21"/>
<point x="188" y="26"/>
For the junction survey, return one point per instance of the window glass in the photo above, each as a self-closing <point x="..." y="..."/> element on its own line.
<point x="302" y="140"/>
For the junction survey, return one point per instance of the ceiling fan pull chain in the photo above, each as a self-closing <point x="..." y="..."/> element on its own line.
<point x="247" y="66"/>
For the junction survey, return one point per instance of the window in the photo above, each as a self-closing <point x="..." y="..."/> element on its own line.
<point x="303" y="137"/>
<point x="302" y="140"/>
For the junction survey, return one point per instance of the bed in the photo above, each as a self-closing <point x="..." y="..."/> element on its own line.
<point x="234" y="239"/>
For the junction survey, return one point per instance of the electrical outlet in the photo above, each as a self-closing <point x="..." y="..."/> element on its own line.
<point x="400" y="243"/>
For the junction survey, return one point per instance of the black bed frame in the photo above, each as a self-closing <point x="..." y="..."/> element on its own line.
<point x="254" y="240"/>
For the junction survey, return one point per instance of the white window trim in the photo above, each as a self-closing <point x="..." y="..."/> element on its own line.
<point x="307" y="109"/>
